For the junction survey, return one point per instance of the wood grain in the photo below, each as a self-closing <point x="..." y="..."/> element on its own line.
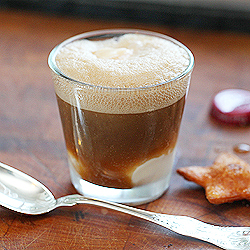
<point x="31" y="137"/>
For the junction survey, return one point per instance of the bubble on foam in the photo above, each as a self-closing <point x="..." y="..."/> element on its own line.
<point x="113" y="53"/>
<point x="132" y="61"/>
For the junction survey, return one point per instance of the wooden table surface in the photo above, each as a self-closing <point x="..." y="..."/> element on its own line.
<point x="31" y="138"/>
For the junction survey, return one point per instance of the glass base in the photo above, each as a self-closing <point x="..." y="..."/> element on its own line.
<point x="134" y="196"/>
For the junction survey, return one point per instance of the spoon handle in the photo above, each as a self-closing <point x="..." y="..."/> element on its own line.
<point x="225" y="237"/>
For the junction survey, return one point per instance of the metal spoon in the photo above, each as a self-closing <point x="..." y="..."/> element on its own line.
<point x="24" y="194"/>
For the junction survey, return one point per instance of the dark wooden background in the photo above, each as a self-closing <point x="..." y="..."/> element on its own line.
<point x="31" y="137"/>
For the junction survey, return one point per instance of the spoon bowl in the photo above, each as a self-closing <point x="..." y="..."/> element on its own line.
<point x="24" y="194"/>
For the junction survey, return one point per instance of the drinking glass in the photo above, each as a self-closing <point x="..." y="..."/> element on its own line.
<point x="121" y="141"/>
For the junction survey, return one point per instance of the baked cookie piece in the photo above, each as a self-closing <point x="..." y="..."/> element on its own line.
<point x="227" y="180"/>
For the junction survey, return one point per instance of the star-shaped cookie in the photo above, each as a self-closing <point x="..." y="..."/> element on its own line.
<point x="227" y="180"/>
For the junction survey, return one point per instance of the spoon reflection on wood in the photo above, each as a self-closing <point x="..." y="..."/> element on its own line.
<point x="24" y="194"/>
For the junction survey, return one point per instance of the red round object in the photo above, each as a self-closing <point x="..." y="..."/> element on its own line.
<point x="232" y="106"/>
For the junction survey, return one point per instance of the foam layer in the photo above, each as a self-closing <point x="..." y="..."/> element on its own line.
<point x="130" y="61"/>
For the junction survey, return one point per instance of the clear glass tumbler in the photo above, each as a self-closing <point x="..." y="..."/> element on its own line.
<point x="121" y="140"/>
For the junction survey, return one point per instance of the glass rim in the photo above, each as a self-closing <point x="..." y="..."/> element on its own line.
<point x="111" y="33"/>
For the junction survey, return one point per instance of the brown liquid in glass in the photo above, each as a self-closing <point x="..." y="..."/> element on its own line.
<point x="109" y="147"/>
